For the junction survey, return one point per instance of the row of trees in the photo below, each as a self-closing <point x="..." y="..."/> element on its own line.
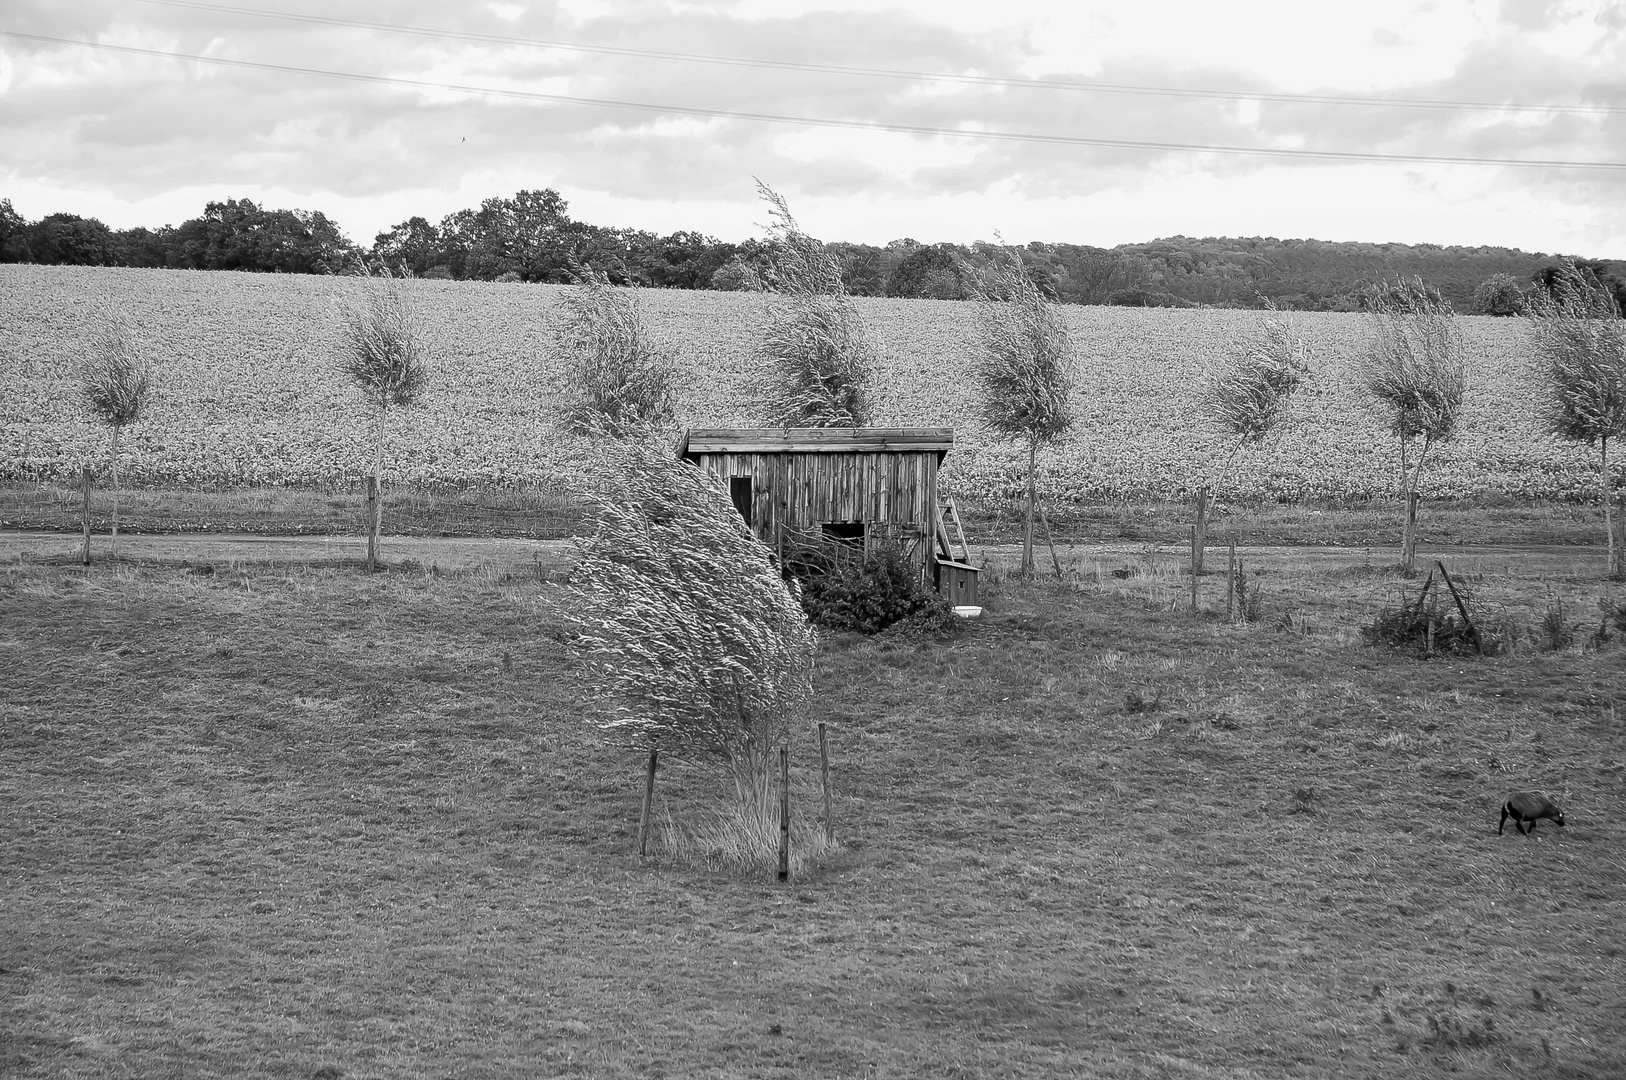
<point x="531" y="237"/>
<point x="231" y="235"/>
<point x="380" y="349"/>
<point x="1414" y="370"/>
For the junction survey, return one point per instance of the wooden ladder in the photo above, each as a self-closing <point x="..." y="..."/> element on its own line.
<point x="948" y="511"/>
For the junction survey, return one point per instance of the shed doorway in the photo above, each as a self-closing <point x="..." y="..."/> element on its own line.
<point x="739" y="492"/>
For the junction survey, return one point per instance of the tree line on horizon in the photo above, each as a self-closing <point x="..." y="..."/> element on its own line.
<point x="531" y="238"/>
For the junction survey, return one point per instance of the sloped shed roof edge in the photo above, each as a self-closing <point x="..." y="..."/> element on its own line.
<point x="698" y="441"/>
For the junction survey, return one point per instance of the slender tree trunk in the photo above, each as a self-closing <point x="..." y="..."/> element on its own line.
<point x="1225" y="467"/>
<point x="1033" y="498"/>
<point x="376" y="525"/>
<point x="378" y="441"/>
<point x="116" y="429"/>
<point x="1405" y="469"/>
<point x="1408" y="535"/>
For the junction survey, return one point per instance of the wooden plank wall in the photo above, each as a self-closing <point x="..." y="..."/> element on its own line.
<point x="893" y="493"/>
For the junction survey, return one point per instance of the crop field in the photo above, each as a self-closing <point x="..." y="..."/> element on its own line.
<point x="295" y="821"/>
<point x="247" y="393"/>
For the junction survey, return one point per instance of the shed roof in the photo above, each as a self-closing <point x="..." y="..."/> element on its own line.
<point x="814" y="440"/>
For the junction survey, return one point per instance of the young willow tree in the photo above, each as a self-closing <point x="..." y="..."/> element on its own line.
<point x="1247" y="398"/>
<point x="695" y="644"/>
<point x="1022" y="373"/>
<point x="820" y="361"/>
<point x="1414" y="369"/>
<point x="620" y="380"/>
<point x="381" y="350"/>
<point x="115" y="383"/>
<point x="1581" y="347"/>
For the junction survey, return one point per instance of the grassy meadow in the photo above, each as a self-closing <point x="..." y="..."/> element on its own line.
<point x="296" y="821"/>
<point x="247" y="394"/>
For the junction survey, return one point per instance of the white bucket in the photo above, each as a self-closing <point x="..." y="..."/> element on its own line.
<point x="968" y="611"/>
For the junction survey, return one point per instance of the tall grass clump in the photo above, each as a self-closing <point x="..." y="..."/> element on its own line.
<point x="620" y="380"/>
<point x="1022" y="372"/>
<point x="1580" y="341"/>
<point x="819" y="358"/>
<point x="115" y="384"/>
<point x="694" y="643"/>
<point x="1414" y="369"/>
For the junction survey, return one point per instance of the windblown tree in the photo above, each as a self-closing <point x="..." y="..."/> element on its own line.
<point x="819" y="358"/>
<point x="1413" y="369"/>
<point x="695" y="644"/>
<point x="381" y="350"/>
<point x="1247" y="398"/>
<point x="115" y="383"/>
<point x="619" y="379"/>
<point x="1581" y="348"/>
<point x="1022" y="373"/>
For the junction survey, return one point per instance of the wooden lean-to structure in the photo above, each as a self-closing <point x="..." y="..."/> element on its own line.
<point x="861" y="486"/>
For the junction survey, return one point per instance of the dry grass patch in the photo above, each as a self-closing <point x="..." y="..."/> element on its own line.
<point x="305" y="823"/>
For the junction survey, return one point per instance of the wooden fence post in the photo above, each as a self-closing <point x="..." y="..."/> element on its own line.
<point x="1194" y="570"/>
<point x="1199" y="531"/>
<point x="649" y="797"/>
<point x="824" y="776"/>
<point x="372" y="523"/>
<point x="1462" y="609"/>
<point x="1618" y="570"/>
<point x="85" y="478"/>
<point x="1048" y="539"/>
<point x="784" y="813"/>
<point x="1230" y="581"/>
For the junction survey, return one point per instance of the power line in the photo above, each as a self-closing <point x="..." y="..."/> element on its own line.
<point x="888" y="73"/>
<point x="806" y="121"/>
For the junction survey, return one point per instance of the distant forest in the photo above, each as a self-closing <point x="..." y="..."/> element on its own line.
<point x="531" y="237"/>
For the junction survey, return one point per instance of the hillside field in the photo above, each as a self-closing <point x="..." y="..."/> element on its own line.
<point x="247" y="393"/>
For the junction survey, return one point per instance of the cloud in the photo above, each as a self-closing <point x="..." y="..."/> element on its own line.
<point x="133" y="126"/>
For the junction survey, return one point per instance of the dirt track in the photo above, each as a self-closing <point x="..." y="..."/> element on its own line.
<point x="444" y="553"/>
<point x="532" y="556"/>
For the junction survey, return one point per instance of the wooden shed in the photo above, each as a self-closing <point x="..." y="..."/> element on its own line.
<point x="860" y="485"/>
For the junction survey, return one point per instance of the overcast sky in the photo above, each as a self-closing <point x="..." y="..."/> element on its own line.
<point x="144" y="138"/>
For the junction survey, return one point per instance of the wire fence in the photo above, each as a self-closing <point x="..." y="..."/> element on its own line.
<point x="536" y="511"/>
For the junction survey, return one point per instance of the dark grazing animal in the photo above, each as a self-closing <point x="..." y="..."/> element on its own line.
<point x="1528" y="807"/>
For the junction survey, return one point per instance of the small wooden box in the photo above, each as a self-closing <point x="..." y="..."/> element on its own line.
<point x="957" y="582"/>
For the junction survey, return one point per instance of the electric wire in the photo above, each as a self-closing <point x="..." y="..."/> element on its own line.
<point x="805" y="121"/>
<point x="889" y="73"/>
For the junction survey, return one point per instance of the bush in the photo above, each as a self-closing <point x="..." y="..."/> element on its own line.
<point x="1555" y="632"/>
<point x="843" y="589"/>
<point x="1500" y="294"/>
<point x="1407" y="626"/>
<point x="1614" y="618"/>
